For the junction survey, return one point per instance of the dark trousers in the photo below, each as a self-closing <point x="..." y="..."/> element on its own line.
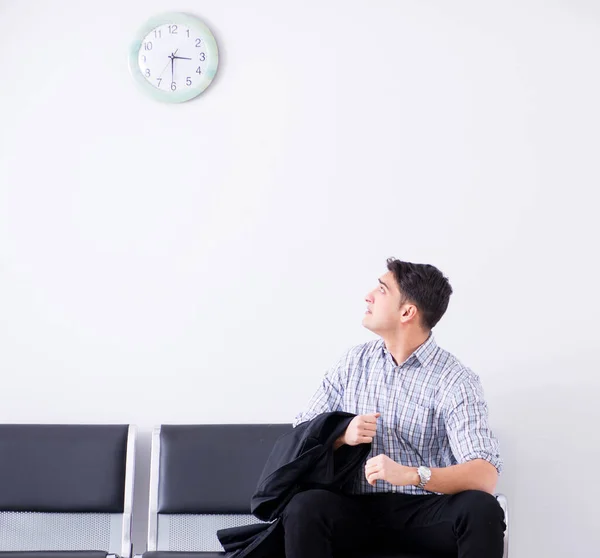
<point x="323" y="524"/>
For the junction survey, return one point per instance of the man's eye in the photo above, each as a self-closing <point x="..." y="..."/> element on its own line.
<point x="381" y="289"/>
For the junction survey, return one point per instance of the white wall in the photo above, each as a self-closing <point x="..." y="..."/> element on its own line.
<point x="207" y="262"/>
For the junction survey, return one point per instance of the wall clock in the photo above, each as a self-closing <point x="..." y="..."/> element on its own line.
<point x="174" y="57"/>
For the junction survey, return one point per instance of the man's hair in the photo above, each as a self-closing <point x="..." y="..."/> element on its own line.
<point x="423" y="285"/>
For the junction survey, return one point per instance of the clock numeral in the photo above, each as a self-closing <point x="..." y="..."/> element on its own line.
<point x="188" y="81"/>
<point x="157" y="33"/>
<point x="144" y="58"/>
<point x="173" y="86"/>
<point x="173" y="29"/>
<point x="148" y="45"/>
<point x="147" y="72"/>
<point x="188" y="33"/>
<point x="202" y="57"/>
<point x="159" y="80"/>
<point x="198" y="71"/>
<point x="198" y="41"/>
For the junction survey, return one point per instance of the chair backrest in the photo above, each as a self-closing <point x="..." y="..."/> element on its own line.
<point x="66" y="487"/>
<point x="202" y="478"/>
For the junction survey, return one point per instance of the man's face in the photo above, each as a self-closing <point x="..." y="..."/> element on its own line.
<point x="383" y="306"/>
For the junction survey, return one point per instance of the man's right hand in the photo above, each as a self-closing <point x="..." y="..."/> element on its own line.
<point x="361" y="430"/>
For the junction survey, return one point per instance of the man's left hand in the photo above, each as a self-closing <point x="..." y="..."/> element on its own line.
<point x="383" y="468"/>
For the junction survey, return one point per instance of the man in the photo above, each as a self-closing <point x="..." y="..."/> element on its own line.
<point x="429" y="480"/>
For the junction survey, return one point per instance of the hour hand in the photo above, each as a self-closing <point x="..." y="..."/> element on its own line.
<point x="182" y="57"/>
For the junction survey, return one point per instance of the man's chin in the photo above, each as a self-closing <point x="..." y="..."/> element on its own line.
<point x="366" y="322"/>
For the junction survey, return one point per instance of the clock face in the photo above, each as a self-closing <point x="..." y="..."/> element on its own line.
<point x="175" y="57"/>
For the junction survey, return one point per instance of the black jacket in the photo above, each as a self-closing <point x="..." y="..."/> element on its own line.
<point x="300" y="460"/>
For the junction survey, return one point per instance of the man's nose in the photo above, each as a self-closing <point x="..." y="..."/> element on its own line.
<point x="369" y="299"/>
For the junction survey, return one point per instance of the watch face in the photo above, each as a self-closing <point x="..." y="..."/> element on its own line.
<point x="175" y="57"/>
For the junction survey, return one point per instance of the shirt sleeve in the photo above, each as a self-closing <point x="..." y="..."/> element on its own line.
<point x="467" y="425"/>
<point x="328" y="397"/>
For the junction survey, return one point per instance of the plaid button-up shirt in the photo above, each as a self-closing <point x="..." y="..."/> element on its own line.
<point x="432" y="408"/>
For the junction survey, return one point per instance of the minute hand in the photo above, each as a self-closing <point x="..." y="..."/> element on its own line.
<point x="182" y="57"/>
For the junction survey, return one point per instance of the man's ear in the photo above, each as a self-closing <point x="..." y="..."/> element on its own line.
<point x="409" y="312"/>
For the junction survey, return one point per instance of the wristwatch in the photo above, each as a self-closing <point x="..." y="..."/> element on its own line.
<point x="424" y="475"/>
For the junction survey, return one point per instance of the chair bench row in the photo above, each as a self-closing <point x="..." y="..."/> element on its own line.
<point x="67" y="490"/>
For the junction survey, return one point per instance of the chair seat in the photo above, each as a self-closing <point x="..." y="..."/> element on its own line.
<point x="170" y="554"/>
<point x="173" y="554"/>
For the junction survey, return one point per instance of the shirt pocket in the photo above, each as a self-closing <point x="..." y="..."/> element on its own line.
<point x="414" y="426"/>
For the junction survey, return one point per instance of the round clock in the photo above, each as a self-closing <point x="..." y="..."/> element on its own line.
<point x="174" y="57"/>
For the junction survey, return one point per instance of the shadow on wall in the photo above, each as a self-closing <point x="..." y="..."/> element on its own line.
<point x="140" y="491"/>
<point x="550" y="444"/>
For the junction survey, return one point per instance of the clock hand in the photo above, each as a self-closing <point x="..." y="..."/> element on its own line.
<point x="172" y="57"/>
<point x="182" y="57"/>
<point x="163" y="70"/>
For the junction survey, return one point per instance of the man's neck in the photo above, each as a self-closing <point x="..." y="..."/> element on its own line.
<point x="404" y="345"/>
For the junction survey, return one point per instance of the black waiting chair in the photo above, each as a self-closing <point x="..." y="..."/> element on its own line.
<point x="202" y="478"/>
<point x="66" y="490"/>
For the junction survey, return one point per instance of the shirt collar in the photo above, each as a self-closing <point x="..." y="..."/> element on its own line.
<point x="423" y="354"/>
